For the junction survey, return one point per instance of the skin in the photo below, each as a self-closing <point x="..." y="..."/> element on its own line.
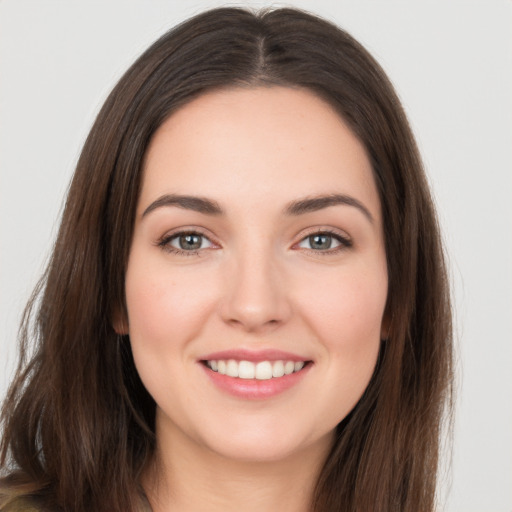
<point x="256" y="282"/>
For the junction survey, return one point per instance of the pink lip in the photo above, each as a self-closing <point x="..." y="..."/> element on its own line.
<point x="254" y="389"/>
<point x="253" y="356"/>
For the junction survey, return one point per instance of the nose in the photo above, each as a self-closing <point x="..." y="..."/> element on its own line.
<point x="256" y="296"/>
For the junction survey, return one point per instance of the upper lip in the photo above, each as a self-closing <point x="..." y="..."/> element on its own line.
<point x="254" y="356"/>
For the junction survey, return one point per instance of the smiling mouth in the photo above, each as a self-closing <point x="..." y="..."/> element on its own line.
<point x="263" y="370"/>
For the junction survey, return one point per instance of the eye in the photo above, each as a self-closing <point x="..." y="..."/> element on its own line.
<point x="325" y="242"/>
<point x="187" y="243"/>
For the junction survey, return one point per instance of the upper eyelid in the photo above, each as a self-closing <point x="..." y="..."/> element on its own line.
<point x="165" y="242"/>
<point x="166" y="238"/>
<point x="336" y="232"/>
<point x="187" y="231"/>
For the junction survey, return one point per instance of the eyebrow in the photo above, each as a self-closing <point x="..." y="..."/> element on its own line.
<point x="315" y="203"/>
<point x="295" y="208"/>
<point x="197" y="204"/>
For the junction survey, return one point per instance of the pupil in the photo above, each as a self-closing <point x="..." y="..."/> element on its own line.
<point x="320" y="241"/>
<point x="189" y="242"/>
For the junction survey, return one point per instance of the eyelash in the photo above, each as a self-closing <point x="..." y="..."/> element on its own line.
<point x="165" y="243"/>
<point x="345" y="243"/>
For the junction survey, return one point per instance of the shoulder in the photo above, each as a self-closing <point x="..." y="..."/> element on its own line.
<point x="18" y="505"/>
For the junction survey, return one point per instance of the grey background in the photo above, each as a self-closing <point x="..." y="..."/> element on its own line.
<point x="451" y="62"/>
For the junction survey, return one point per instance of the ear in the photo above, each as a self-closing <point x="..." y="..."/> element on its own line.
<point x="385" y="326"/>
<point x="120" y="323"/>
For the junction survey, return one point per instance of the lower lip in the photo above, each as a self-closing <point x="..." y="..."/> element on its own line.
<point x="254" y="389"/>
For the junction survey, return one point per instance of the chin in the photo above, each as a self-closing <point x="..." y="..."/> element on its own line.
<point x="267" y="445"/>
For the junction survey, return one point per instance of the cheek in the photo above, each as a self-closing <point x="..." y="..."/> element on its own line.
<point x="165" y="305"/>
<point x="347" y="318"/>
<point x="350" y="305"/>
<point x="167" y="308"/>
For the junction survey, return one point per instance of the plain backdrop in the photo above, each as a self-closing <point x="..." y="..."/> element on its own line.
<point x="451" y="62"/>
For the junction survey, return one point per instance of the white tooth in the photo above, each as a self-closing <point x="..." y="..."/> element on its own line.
<point x="289" y="367"/>
<point x="232" y="368"/>
<point x="221" y="367"/>
<point x="213" y="365"/>
<point x="298" y="366"/>
<point x="278" y="369"/>
<point x="264" y="370"/>
<point x="246" y="370"/>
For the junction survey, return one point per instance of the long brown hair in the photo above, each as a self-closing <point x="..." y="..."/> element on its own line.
<point x="78" y="425"/>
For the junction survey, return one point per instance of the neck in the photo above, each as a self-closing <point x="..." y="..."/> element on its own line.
<point x="188" y="478"/>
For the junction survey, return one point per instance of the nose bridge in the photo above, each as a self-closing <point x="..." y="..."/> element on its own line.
<point x="255" y="293"/>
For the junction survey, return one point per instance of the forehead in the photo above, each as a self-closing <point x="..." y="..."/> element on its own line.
<point x="267" y="144"/>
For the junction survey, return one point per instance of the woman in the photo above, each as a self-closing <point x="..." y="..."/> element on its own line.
<point x="247" y="302"/>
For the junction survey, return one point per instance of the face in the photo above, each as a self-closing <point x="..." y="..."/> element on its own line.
<point x="257" y="280"/>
